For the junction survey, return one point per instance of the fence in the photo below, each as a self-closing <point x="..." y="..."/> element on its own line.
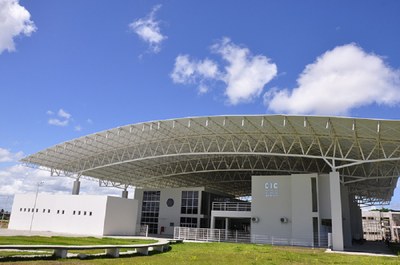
<point x="142" y="230"/>
<point x="232" y="206"/>
<point x="222" y="235"/>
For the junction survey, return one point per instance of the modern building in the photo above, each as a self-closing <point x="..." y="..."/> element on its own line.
<point x="381" y="225"/>
<point x="306" y="176"/>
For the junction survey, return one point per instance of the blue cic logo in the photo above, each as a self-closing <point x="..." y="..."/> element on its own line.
<point x="271" y="189"/>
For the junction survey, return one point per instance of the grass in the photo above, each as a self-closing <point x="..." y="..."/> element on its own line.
<point x="224" y="253"/>
<point x="59" y="240"/>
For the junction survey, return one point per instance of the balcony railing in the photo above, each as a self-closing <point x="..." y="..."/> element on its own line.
<point x="232" y="206"/>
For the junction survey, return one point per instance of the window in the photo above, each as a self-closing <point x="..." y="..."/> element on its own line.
<point x="58" y="211"/>
<point x="37" y="210"/>
<point x="90" y="213"/>
<point x="44" y="210"/>
<point x="314" y="195"/>
<point x="188" y="222"/>
<point x="79" y="212"/>
<point x="170" y="202"/>
<point x="24" y="209"/>
<point x="20" y="209"/>
<point x="73" y="213"/>
<point x="62" y="212"/>
<point x="84" y="213"/>
<point x="29" y="209"/>
<point x="190" y="202"/>
<point x="150" y="210"/>
<point x="171" y="224"/>
<point x="48" y="210"/>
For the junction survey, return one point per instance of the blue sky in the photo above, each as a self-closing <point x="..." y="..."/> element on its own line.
<point x="70" y="68"/>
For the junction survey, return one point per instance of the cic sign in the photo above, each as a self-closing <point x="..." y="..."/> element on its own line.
<point x="271" y="189"/>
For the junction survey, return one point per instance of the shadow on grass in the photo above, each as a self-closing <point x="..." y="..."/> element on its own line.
<point x="44" y="257"/>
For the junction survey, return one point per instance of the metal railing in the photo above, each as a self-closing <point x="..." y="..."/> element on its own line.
<point x="142" y="230"/>
<point x="232" y="206"/>
<point x="222" y="235"/>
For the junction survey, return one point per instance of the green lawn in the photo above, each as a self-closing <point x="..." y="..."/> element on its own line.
<point x="226" y="253"/>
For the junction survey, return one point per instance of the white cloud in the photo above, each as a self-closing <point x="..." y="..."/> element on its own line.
<point x="148" y="30"/>
<point x="187" y="71"/>
<point x="20" y="179"/>
<point x="339" y="80"/>
<point x="8" y="156"/>
<point x="14" y="21"/>
<point x="245" y="75"/>
<point x="63" y="118"/>
<point x="78" y="128"/>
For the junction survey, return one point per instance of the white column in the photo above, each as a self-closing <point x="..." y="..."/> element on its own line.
<point x="336" y="211"/>
<point x="212" y="225"/>
<point x="226" y="227"/>
<point x="76" y="187"/>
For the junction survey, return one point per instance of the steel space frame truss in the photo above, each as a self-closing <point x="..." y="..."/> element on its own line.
<point x="168" y="152"/>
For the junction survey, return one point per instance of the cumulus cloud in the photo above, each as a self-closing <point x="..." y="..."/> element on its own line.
<point x="62" y="118"/>
<point x="339" y="80"/>
<point x="191" y="71"/>
<point x="7" y="156"/>
<point x="244" y="75"/>
<point x="14" y="21"/>
<point x="20" y="179"/>
<point x="148" y="30"/>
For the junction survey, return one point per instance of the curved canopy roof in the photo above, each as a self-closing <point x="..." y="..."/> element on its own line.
<point x="223" y="152"/>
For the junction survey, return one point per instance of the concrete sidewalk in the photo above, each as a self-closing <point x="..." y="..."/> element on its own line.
<point x="369" y="248"/>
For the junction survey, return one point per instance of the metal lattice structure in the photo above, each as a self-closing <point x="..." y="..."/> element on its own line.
<point x="223" y="152"/>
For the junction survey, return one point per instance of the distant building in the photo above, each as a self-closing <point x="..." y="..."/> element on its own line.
<point x="381" y="225"/>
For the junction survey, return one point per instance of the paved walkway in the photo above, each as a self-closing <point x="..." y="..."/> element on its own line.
<point x="369" y="248"/>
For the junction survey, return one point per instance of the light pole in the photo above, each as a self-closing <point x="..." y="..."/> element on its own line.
<point x="34" y="205"/>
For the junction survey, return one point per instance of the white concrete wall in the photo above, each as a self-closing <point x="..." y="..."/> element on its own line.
<point x="89" y="217"/>
<point x="269" y="208"/>
<point x="324" y="201"/>
<point x="121" y="216"/>
<point x="169" y="215"/>
<point x="290" y="198"/>
<point x="302" y="215"/>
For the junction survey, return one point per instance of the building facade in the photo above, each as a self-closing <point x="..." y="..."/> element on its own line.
<point x="74" y="214"/>
<point x="381" y="225"/>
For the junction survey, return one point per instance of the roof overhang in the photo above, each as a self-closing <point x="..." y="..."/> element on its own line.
<point x="223" y="152"/>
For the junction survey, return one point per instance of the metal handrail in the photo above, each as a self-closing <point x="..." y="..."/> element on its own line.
<point x="232" y="206"/>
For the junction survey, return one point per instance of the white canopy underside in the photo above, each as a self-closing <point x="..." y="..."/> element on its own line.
<point x="223" y="152"/>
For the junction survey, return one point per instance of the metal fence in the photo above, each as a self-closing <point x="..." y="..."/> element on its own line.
<point x="222" y="235"/>
<point x="232" y="206"/>
<point x="142" y="230"/>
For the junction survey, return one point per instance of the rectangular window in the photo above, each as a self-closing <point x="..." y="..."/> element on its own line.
<point x="73" y="213"/>
<point x="188" y="222"/>
<point x="90" y="213"/>
<point x="190" y="202"/>
<point x="315" y="231"/>
<point x="48" y="210"/>
<point x="62" y="212"/>
<point x="20" y="209"/>
<point x="79" y="212"/>
<point x="37" y="210"/>
<point x="44" y="210"/>
<point x="314" y="195"/>
<point x="150" y="210"/>
<point x="58" y="211"/>
<point x="84" y="213"/>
